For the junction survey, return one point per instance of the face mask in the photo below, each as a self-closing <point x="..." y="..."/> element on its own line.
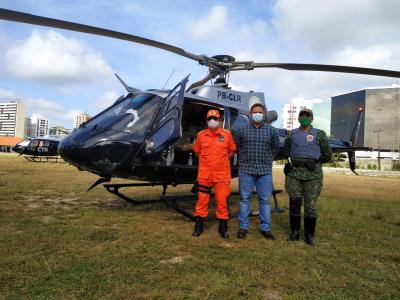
<point x="257" y="117"/>
<point x="213" y="123"/>
<point x="305" y="121"/>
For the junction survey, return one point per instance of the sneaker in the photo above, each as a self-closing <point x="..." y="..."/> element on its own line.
<point x="242" y="233"/>
<point x="268" y="235"/>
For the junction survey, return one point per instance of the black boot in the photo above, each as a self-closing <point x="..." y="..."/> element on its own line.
<point x="198" y="227"/>
<point x="223" y="228"/>
<point x="295" y="222"/>
<point x="309" y="230"/>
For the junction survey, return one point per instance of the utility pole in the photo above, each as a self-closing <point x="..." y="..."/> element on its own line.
<point x="379" y="148"/>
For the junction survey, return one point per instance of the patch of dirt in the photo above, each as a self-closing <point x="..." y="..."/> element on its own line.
<point x="32" y="206"/>
<point x="61" y="200"/>
<point x="175" y="260"/>
<point x="271" y="295"/>
<point x="227" y="245"/>
<point x="47" y="219"/>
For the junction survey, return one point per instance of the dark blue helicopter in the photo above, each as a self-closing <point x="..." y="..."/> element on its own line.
<point x="138" y="137"/>
<point x="39" y="149"/>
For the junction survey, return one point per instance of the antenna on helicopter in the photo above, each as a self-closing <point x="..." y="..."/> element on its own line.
<point x="173" y="71"/>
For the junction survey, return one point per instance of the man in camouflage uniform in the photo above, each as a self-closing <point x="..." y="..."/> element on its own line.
<point x="306" y="148"/>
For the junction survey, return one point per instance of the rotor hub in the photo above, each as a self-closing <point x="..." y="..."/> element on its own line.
<point x="224" y="58"/>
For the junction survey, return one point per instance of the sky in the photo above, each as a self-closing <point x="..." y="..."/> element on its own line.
<point x="60" y="73"/>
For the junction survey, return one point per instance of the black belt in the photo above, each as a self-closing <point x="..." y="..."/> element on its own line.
<point x="310" y="164"/>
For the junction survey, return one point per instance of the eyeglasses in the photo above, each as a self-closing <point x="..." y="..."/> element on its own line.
<point x="212" y="118"/>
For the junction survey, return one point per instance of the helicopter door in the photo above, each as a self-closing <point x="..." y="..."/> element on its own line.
<point x="166" y="128"/>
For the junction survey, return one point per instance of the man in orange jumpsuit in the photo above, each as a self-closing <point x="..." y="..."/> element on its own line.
<point x="214" y="146"/>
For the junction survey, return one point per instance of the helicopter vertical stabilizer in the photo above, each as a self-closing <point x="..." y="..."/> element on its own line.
<point x="127" y="87"/>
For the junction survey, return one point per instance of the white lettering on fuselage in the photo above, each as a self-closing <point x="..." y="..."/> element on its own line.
<point x="229" y="96"/>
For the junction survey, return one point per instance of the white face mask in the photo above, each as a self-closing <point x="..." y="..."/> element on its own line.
<point x="257" y="117"/>
<point x="213" y="123"/>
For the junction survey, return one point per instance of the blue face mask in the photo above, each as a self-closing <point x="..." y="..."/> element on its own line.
<point x="257" y="117"/>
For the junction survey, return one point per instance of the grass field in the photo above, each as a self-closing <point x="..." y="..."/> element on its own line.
<point x="57" y="241"/>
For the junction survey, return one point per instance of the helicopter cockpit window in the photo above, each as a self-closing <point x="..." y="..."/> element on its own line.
<point x="43" y="143"/>
<point x="24" y="143"/>
<point x="133" y="115"/>
<point x="34" y="143"/>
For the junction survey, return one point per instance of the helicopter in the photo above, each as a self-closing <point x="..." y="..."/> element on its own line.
<point x="39" y="149"/>
<point x="139" y="136"/>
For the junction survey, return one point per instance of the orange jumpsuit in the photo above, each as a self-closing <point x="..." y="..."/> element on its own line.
<point x="213" y="150"/>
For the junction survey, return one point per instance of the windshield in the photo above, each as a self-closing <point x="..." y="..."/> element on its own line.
<point x="24" y="143"/>
<point x="132" y="115"/>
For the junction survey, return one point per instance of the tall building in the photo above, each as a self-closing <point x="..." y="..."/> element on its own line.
<point x="380" y="124"/>
<point x="290" y="112"/>
<point x="36" y="126"/>
<point x="12" y="119"/>
<point x="81" y="118"/>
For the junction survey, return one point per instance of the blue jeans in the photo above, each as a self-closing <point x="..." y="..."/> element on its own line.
<point x="263" y="185"/>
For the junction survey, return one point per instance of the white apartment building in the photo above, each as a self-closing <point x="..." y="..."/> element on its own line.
<point x="81" y="118"/>
<point x="12" y="119"/>
<point x="36" y="126"/>
<point x="291" y="111"/>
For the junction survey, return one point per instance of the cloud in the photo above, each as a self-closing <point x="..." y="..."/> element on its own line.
<point x="221" y="31"/>
<point x="378" y="56"/>
<point x="213" y="24"/>
<point x="106" y="100"/>
<point x="56" y="113"/>
<point x="53" y="111"/>
<point x="50" y="58"/>
<point x="325" y="26"/>
<point x="6" y="95"/>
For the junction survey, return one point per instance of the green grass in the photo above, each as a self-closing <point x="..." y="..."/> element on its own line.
<point x="57" y="241"/>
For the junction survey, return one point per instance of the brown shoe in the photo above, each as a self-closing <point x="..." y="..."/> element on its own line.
<point x="242" y="233"/>
<point x="268" y="235"/>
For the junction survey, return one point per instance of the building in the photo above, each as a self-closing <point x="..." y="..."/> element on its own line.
<point x="380" y="124"/>
<point x="7" y="142"/>
<point x="12" y="119"/>
<point x="36" y="126"/>
<point x="81" y="118"/>
<point x="290" y="113"/>
<point x="322" y="116"/>
<point x="59" y="131"/>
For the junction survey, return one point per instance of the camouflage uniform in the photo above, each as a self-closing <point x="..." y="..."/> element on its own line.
<point x="304" y="177"/>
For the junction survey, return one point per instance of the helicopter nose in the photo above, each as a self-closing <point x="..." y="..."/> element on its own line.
<point x="100" y="157"/>
<point x="73" y="153"/>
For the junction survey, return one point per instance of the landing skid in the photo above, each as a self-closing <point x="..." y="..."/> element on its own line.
<point x="173" y="201"/>
<point x="53" y="159"/>
<point x="169" y="201"/>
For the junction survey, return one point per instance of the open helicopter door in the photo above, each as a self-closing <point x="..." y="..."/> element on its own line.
<point x="166" y="129"/>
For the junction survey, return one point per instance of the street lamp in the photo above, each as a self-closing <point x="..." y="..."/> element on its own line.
<point x="379" y="148"/>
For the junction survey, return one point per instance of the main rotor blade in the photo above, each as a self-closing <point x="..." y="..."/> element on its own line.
<point x="17" y="16"/>
<point x="324" y="68"/>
